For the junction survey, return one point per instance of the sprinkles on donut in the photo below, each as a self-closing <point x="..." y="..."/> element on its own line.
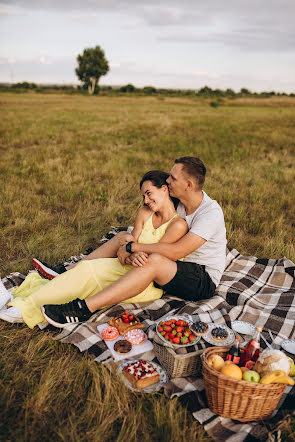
<point x="109" y="333"/>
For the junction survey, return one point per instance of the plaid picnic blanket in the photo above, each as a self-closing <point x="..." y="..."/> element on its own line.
<point x="261" y="291"/>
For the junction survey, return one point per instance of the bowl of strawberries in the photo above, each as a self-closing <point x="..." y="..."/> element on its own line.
<point x="177" y="331"/>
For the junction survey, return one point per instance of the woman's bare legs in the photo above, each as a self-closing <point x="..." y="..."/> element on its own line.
<point x="108" y="249"/>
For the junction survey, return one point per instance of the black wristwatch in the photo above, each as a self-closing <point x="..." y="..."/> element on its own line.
<point x="128" y="246"/>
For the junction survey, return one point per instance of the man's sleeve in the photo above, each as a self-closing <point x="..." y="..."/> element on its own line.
<point x="207" y="224"/>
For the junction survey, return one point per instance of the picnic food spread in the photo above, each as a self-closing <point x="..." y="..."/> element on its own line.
<point x="122" y="346"/>
<point x="141" y="374"/>
<point x="247" y="365"/>
<point x="126" y="322"/>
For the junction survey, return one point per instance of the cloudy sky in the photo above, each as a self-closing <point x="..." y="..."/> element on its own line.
<point x="176" y="43"/>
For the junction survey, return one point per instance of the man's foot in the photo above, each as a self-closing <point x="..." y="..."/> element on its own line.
<point x="5" y="295"/>
<point x="61" y="315"/>
<point x="11" y="314"/>
<point x="49" y="272"/>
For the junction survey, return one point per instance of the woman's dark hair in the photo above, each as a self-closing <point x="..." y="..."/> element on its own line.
<point x="158" y="178"/>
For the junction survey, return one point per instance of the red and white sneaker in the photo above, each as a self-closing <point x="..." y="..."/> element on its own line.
<point x="49" y="272"/>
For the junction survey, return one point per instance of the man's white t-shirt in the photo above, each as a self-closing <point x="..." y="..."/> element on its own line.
<point x="208" y="222"/>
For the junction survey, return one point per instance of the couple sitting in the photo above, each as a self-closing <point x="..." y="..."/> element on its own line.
<point x="180" y="251"/>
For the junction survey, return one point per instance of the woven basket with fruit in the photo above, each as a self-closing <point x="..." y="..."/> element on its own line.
<point x="243" y="394"/>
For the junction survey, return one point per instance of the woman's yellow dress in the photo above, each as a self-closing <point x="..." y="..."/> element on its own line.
<point x="86" y="279"/>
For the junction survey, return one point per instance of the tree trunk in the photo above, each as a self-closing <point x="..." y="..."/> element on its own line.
<point x="91" y="86"/>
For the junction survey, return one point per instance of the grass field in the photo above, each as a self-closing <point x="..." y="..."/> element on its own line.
<point x="70" y="167"/>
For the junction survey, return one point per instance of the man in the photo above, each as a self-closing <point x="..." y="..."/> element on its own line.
<point x="203" y="249"/>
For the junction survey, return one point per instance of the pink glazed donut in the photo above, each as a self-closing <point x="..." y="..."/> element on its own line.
<point x="135" y="336"/>
<point x="109" y="333"/>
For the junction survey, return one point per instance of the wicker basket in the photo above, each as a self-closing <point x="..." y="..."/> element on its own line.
<point x="178" y="366"/>
<point x="240" y="400"/>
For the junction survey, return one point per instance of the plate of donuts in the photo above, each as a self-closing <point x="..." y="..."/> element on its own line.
<point x="133" y="343"/>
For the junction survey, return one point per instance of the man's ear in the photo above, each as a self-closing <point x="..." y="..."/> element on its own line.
<point x="190" y="184"/>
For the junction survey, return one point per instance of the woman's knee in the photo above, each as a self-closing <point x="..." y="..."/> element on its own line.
<point x="156" y="259"/>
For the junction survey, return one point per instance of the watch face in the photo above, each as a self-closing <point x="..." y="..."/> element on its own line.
<point x="128" y="247"/>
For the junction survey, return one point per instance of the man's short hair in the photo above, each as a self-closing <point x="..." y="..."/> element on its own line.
<point x="194" y="168"/>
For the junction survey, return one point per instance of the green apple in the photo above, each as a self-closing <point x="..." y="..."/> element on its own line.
<point x="292" y="368"/>
<point x="251" y="376"/>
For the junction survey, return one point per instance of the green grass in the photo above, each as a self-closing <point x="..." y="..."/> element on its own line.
<point x="70" y="167"/>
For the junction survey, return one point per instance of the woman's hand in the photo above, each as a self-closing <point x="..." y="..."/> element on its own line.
<point x="139" y="259"/>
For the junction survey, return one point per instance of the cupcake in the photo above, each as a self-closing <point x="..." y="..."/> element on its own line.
<point x="200" y="328"/>
<point x="219" y="333"/>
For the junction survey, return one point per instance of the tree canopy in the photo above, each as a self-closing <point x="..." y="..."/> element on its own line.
<point x="92" y="64"/>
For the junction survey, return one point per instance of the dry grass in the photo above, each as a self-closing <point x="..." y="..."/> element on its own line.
<point x="70" y="167"/>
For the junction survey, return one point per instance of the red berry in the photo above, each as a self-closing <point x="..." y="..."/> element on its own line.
<point x="126" y="320"/>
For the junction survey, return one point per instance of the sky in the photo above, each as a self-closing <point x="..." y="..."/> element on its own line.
<point x="183" y="44"/>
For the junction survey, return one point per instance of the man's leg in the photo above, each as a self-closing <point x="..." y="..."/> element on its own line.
<point x="159" y="269"/>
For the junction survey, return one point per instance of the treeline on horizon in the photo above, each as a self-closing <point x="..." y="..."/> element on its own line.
<point x="205" y="91"/>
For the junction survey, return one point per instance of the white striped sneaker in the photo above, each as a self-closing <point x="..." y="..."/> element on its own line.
<point x="11" y="314"/>
<point x="5" y="295"/>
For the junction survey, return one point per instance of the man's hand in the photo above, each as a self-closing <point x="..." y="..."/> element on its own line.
<point x="122" y="255"/>
<point x="139" y="259"/>
<point x="125" y="239"/>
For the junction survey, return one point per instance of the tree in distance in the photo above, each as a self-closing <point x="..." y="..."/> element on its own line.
<point x="92" y="64"/>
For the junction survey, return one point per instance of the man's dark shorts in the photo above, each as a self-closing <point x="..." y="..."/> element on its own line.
<point x="191" y="282"/>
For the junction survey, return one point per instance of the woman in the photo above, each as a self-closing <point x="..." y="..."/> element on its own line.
<point x="156" y="221"/>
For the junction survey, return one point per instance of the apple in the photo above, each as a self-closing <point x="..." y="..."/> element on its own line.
<point x="215" y="361"/>
<point x="251" y="376"/>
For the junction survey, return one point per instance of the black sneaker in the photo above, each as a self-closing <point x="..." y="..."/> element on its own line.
<point x="49" y="272"/>
<point x="71" y="313"/>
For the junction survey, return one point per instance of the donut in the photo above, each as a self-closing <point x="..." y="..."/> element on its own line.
<point x="122" y="346"/>
<point x="109" y="333"/>
<point x="135" y="336"/>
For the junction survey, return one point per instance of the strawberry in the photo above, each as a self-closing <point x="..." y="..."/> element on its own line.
<point x="126" y="321"/>
<point x="179" y="335"/>
<point x="167" y="328"/>
<point x="160" y="329"/>
<point x="186" y="333"/>
<point x="162" y="333"/>
<point x="191" y="337"/>
<point x="184" y="340"/>
<point x="172" y="325"/>
<point x="185" y="324"/>
<point x="176" y="340"/>
<point x="179" y="329"/>
<point x="173" y="332"/>
<point x="180" y="322"/>
<point x="171" y="336"/>
<point x="125" y="315"/>
<point x="173" y="321"/>
<point x="131" y="317"/>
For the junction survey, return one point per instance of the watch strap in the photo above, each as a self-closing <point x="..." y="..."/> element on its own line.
<point x="128" y="246"/>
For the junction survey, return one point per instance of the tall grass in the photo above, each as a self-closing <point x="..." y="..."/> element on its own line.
<point x="70" y="168"/>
